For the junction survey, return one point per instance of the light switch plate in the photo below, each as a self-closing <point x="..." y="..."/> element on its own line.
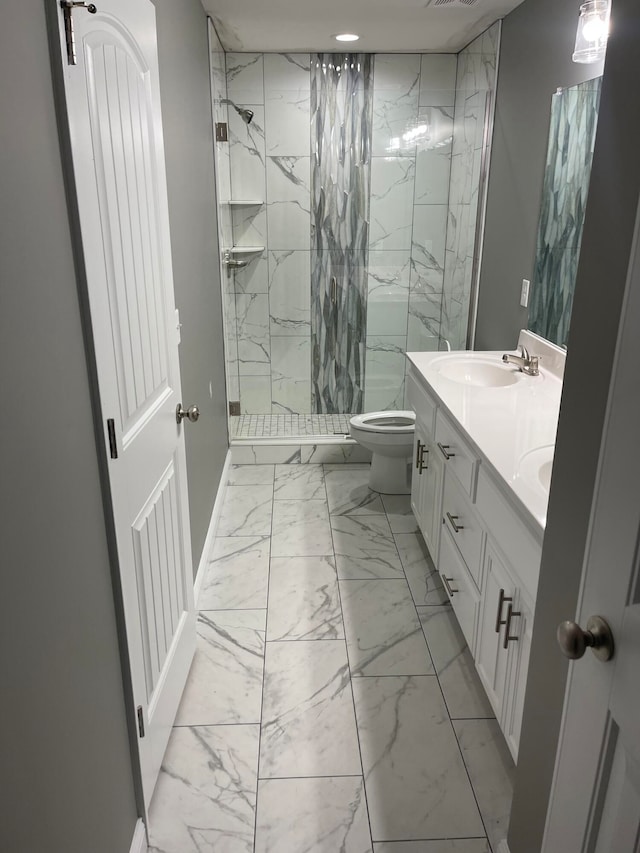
<point x="524" y="293"/>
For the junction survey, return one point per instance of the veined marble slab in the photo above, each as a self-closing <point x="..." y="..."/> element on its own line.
<point x="364" y="547"/>
<point x="237" y="574"/>
<point x="301" y="529"/>
<point x="299" y="482"/>
<point x="251" y="475"/>
<point x="308" y="725"/>
<point x="348" y="491"/>
<point x="304" y="602"/>
<point x="246" y="511"/>
<point x="424" y="581"/>
<point x="399" y="513"/>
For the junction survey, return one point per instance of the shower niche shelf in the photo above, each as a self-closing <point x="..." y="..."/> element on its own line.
<point x="245" y="250"/>
<point x="245" y="202"/>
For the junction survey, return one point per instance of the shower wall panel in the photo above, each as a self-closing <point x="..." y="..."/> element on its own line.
<point x="341" y="104"/>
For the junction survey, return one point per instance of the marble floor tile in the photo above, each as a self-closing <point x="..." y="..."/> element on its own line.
<point x="424" y="581"/>
<point x="452" y="845"/>
<point x="246" y="511"/>
<point x="237" y="574"/>
<point x="384" y="636"/>
<point x="459" y="681"/>
<point x="251" y="475"/>
<point x="301" y="529"/>
<point x="364" y="547"/>
<point x="491" y="771"/>
<point x="399" y="513"/>
<point x="205" y="798"/>
<point x="308" y="725"/>
<point x="324" y="815"/>
<point x="416" y="783"/>
<point x="225" y="681"/>
<point x="299" y="482"/>
<point x="348" y="491"/>
<point x="304" y="603"/>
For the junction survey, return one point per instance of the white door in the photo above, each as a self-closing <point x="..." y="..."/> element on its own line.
<point x="595" y="799"/>
<point x="113" y="105"/>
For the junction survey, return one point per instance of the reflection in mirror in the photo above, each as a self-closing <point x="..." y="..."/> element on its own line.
<point x="574" y="117"/>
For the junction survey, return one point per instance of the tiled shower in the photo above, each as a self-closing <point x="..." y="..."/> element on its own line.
<point x="348" y="208"/>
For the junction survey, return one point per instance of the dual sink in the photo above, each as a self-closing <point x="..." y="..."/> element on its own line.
<point x="481" y="371"/>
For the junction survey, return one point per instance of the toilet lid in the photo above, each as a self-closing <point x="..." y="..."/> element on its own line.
<point x="393" y="422"/>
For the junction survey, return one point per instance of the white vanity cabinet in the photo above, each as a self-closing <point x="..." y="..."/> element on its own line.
<point x="487" y="558"/>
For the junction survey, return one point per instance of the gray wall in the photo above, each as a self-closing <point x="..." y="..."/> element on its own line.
<point x="65" y="773"/>
<point x="611" y="211"/>
<point x="188" y="138"/>
<point x="535" y="58"/>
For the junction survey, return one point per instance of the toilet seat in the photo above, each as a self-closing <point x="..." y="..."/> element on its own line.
<point x="394" y="423"/>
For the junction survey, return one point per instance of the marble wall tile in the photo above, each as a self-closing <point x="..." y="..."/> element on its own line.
<point x="348" y="491"/>
<point x="252" y="454"/>
<point x="252" y="311"/>
<point x="459" y="681"/>
<point x="299" y="482"/>
<point x="290" y="292"/>
<point x="237" y="573"/>
<point x="304" y="603"/>
<point x="335" y="453"/>
<point x="205" y="798"/>
<point x="255" y="398"/>
<point x="364" y="547"/>
<point x="383" y="631"/>
<point x="249" y="225"/>
<point x="225" y="681"/>
<point x="245" y="78"/>
<point x="287" y="118"/>
<point x="385" y="372"/>
<point x="247" y="155"/>
<point x="492" y="773"/>
<point x="428" y="248"/>
<point x="327" y="814"/>
<point x="433" y="160"/>
<point x="290" y="374"/>
<point x="308" y="724"/>
<point x="301" y="529"/>
<point x="288" y="197"/>
<point x="455" y="845"/>
<point x="388" y="293"/>
<point x="416" y="783"/>
<point x="438" y="80"/>
<point x="395" y="103"/>
<point x="424" y="581"/>
<point x="287" y="72"/>
<point x="423" y="332"/>
<point x="246" y="511"/>
<point x="254" y="278"/>
<point x="392" y="185"/>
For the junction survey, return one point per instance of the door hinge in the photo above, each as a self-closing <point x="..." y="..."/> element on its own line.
<point x="140" y="716"/>
<point x="67" y="7"/>
<point x="234" y="408"/>
<point x="113" y="444"/>
<point x="221" y="132"/>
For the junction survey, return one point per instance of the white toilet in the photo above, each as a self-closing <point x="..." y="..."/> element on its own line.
<point x="389" y="436"/>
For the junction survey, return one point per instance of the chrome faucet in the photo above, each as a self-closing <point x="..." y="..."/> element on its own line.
<point x="526" y="363"/>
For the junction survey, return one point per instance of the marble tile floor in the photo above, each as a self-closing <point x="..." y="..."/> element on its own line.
<point x="332" y="705"/>
<point x="288" y="426"/>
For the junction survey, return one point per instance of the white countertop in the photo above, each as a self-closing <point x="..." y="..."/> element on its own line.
<point x="505" y="423"/>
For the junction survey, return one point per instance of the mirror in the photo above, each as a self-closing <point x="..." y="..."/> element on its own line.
<point x="574" y="117"/>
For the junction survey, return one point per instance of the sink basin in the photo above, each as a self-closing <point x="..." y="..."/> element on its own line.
<point x="535" y="467"/>
<point x="480" y="373"/>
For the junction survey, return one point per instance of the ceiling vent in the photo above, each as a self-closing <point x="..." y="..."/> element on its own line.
<point x="452" y="4"/>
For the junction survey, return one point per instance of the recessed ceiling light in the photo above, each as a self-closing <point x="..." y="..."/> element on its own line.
<point x="346" y="37"/>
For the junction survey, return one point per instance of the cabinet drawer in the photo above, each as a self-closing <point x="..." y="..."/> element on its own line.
<point x="422" y="404"/>
<point x="464" y="526"/>
<point x="513" y="537"/>
<point x="459" y="456"/>
<point x="462" y="592"/>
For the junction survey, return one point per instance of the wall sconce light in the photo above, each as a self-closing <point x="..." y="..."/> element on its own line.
<point x="593" y="31"/>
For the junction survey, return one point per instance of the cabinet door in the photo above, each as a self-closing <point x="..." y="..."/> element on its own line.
<point x="432" y="488"/>
<point x="520" y="631"/>
<point x="492" y="658"/>
<point x="417" y="476"/>
<point x="460" y="587"/>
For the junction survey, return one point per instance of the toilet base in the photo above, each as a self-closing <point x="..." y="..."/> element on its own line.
<point x="390" y="475"/>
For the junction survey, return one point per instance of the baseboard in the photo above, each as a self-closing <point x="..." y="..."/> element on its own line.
<point x="503" y="847"/>
<point x="139" y="843"/>
<point x="211" y="532"/>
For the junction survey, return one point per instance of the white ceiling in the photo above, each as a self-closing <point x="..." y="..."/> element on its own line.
<point x="389" y="26"/>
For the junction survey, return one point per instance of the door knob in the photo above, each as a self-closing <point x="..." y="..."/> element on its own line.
<point x="192" y="413"/>
<point x="573" y="641"/>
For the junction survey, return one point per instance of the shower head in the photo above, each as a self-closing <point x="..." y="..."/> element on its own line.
<point x="245" y="115"/>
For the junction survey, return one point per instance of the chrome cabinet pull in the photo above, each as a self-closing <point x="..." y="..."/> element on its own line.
<point x="501" y="600"/>
<point x="452" y="521"/>
<point x="508" y="636"/>
<point x="419" y="445"/>
<point x="334" y="289"/>
<point x="446" y="582"/>
<point x="421" y="449"/>
<point x="444" y="448"/>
